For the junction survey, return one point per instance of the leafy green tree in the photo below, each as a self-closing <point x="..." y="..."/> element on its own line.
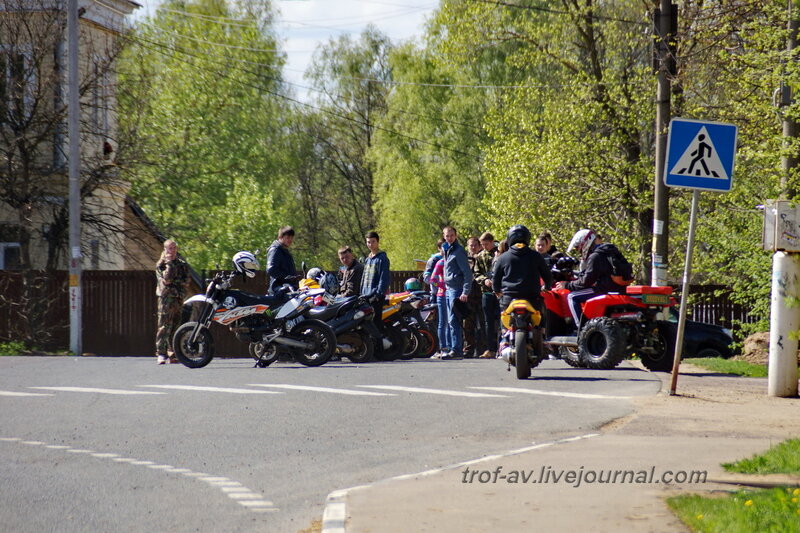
<point x="202" y="98"/>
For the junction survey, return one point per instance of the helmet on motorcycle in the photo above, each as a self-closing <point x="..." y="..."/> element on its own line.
<point x="412" y="284"/>
<point x="329" y="283"/>
<point x="315" y="273"/>
<point x="582" y="242"/>
<point x="518" y="234"/>
<point x="245" y="263"/>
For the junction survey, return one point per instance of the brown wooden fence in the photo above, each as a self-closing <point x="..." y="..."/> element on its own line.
<point x="119" y="310"/>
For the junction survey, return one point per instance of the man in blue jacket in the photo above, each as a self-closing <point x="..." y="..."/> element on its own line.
<point x="280" y="263"/>
<point x="458" y="282"/>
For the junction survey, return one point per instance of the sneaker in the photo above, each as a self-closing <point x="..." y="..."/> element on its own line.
<point x="162" y="359"/>
<point x="488" y="354"/>
<point x="437" y="355"/>
<point x="451" y="356"/>
<point x="173" y="360"/>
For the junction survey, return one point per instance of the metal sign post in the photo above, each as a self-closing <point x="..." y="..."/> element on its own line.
<point x="700" y="156"/>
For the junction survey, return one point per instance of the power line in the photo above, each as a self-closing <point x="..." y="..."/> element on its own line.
<point x="558" y="12"/>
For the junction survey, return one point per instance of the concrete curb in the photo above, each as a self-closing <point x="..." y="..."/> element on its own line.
<point x="334" y="517"/>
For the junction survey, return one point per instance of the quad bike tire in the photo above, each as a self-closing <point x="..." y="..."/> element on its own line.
<point x="570" y="356"/>
<point x="195" y="354"/>
<point x="602" y="343"/>
<point x="662" y="359"/>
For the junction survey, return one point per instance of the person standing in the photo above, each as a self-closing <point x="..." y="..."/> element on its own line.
<point x="350" y="273"/>
<point x="544" y="245"/>
<point x="458" y="282"/>
<point x="474" y="338"/>
<point x="429" y="266"/>
<point x="172" y="275"/>
<point x="436" y="281"/>
<point x="489" y="303"/>
<point x="280" y="263"/>
<point x="376" y="277"/>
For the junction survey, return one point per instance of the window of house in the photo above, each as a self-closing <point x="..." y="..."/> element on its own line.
<point x="10" y="257"/>
<point x="17" y="83"/>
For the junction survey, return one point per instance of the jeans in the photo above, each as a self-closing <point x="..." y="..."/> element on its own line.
<point x="443" y="331"/>
<point x="491" y="313"/>
<point x="454" y="322"/>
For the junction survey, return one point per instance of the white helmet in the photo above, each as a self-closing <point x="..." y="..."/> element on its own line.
<point x="315" y="273"/>
<point x="246" y="264"/>
<point x="582" y="242"/>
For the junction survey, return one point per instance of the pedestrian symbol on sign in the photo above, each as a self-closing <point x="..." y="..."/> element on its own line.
<point x="700" y="159"/>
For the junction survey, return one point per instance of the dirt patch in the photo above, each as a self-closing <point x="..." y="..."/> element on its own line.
<point x="756" y="349"/>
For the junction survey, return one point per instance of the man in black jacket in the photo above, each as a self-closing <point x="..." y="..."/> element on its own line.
<point x="521" y="272"/>
<point x="280" y="263"/>
<point x="595" y="278"/>
<point x="350" y="273"/>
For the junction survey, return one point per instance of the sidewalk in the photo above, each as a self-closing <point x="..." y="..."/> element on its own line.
<point x="712" y="419"/>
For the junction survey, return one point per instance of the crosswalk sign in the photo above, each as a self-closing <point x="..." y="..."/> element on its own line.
<point x="700" y="155"/>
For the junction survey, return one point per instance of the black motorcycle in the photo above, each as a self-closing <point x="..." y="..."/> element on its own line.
<point x="272" y="325"/>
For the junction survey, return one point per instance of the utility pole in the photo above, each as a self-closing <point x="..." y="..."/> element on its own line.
<point x="73" y="119"/>
<point x="785" y="317"/>
<point x="665" y="24"/>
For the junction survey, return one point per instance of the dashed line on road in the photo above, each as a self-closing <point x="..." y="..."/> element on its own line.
<point x="442" y="392"/>
<point x="321" y="389"/>
<point x="118" y="392"/>
<point x="234" y="490"/>
<point x="581" y="395"/>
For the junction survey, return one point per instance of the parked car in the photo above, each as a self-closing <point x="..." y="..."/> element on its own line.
<point x="704" y="340"/>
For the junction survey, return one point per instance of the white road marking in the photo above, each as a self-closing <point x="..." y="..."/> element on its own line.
<point x="556" y="393"/>
<point x="234" y="490"/>
<point x="210" y="389"/>
<point x="13" y="393"/>
<point x="434" y="391"/>
<point x="321" y="389"/>
<point x="119" y="392"/>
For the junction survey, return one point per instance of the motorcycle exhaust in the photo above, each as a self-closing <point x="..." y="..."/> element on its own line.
<point x="569" y="341"/>
<point x="293" y="343"/>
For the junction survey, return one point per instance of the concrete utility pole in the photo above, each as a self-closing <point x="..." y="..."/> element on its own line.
<point x="663" y="21"/>
<point x="784" y="317"/>
<point x="73" y="119"/>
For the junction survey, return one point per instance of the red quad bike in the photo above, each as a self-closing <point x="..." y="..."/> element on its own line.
<point x="614" y="327"/>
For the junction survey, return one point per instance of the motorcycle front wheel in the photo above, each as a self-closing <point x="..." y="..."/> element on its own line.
<point x="195" y="354"/>
<point x="321" y="336"/>
<point x="521" y="362"/>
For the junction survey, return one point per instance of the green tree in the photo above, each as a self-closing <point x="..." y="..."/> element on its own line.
<point x="203" y="100"/>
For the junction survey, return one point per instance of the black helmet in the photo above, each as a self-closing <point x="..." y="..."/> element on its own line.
<point x="518" y="234"/>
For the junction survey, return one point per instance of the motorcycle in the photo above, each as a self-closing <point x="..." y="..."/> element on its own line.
<point x="271" y="324"/>
<point x="351" y="320"/>
<point x="614" y="326"/>
<point x="522" y="337"/>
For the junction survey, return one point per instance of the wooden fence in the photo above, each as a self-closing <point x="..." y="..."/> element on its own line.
<point x="119" y="310"/>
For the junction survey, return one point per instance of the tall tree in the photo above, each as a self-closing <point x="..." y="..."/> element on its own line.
<point x="204" y="101"/>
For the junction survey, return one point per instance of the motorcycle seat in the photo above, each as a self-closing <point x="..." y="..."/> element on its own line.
<point x="246" y="298"/>
<point x="327" y="312"/>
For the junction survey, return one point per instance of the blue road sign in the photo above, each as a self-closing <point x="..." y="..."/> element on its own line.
<point x="700" y="155"/>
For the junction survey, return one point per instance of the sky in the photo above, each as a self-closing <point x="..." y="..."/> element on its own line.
<point x="304" y="24"/>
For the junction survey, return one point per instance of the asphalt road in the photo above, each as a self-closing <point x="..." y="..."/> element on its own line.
<point x="122" y="444"/>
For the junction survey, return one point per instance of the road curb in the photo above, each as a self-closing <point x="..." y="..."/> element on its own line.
<point x="334" y="517"/>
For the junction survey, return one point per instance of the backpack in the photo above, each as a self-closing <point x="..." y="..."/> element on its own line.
<point x="621" y="269"/>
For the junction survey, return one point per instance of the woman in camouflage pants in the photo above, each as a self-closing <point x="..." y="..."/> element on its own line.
<point x="172" y="274"/>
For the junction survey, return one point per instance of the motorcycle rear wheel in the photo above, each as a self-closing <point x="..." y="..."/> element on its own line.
<point x="413" y="343"/>
<point x="521" y="354"/>
<point x="195" y="354"/>
<point x="364" y="348"/>
<point x="321" y="336"/>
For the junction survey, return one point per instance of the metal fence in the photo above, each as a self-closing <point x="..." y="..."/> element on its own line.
<point x="119" y="310"/>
